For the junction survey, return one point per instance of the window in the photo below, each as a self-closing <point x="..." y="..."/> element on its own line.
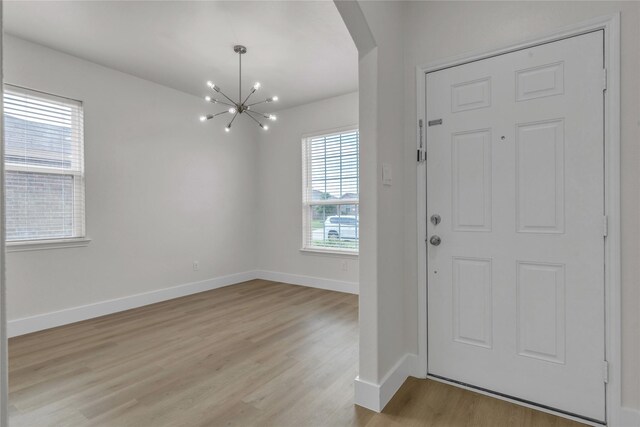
<point x="44" y="166"/>
<point x="331" y="192"/>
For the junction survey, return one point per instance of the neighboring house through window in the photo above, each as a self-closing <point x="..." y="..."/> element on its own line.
<point x="331" y="191"/>
<point x="44" y="166"/>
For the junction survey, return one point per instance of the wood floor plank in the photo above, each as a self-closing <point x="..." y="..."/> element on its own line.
<point x="255" y="354"/>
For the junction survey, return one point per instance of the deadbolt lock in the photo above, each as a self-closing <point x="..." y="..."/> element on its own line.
<point x="435" y="219"/>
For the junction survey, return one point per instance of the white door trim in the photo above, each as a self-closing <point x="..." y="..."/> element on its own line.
<point x="611" y="26"/>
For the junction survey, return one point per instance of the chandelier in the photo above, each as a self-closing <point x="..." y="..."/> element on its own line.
<point x="239" y="107"/>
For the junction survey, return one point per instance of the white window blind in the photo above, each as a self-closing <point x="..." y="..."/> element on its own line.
<point x="331" y="168"/>
<point x="44" y="166"/>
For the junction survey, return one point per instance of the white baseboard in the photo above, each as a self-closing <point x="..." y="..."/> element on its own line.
<point x="629" y="417"/>
<point x="39" y="322"/>
<point x="313" y="282"/>
<point x="376" y="396"/>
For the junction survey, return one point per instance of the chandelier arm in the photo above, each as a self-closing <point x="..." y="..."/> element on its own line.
<point x="254" y="119"/>
<point x="215" y="101"/>
<point x="258" y="113"/>
<point x="230" y="100"/>
<point x="248" y="96"/>
<point x="260" y="102"/>
<point x="232" y="119"/>
<point x="251" y="112"/>
<point x="211" y="116"/>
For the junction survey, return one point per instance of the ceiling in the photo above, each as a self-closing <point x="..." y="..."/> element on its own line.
<point x="300" y="51"/>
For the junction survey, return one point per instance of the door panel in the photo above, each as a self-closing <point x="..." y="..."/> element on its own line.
<point x="540" y="176"/>
<point x="471" y="168"/>
<point x="541" y="311"/>
<point x="472" y="309"/>
<point x="515" y="170"/>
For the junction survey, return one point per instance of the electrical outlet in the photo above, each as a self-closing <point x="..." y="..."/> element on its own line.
<point x="345" y="266"/>
<point x="196" y="266"/>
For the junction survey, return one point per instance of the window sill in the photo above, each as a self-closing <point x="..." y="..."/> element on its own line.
<point x="38" y="245"/>
<point x="314" y="251"/>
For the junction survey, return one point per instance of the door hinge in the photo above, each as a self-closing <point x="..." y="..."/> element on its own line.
<point x="604" y="79"/>
<point x="605" y="224"/>
<point x="605" y="371"/>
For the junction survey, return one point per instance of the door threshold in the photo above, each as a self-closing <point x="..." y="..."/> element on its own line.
<point x="517" y="401"/>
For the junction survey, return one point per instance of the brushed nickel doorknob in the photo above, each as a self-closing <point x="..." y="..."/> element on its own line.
<point x="435" y="240"/>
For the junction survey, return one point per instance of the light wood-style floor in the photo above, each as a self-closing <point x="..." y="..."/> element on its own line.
<point x="255" y="354"/>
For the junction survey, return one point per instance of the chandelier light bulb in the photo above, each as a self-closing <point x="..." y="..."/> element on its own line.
<point x="272" y="117"/>
<point x="203" y="118"/>
<point x="265" y="127"/>
<point x="227" y="129"/>
<point x="210" y="84"/>
<point x="232" y="110"/>
<point x="207" y="98"/>
<point x="256" y="86"/>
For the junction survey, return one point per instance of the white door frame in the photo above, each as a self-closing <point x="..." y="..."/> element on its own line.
<point x="611" y="26"/>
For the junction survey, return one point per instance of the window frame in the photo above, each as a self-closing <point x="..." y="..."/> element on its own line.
<point x="77" y="171"/>
<point x="306" y="203"/>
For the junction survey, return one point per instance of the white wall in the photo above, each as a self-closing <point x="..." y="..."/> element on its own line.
<point x="437" y="30"/>
<point x="279" y="217"/>
<point x="386" y="21"/>
<point x="4" y="368"/>
<point x="162" y="189"/>
<point x="382" y="217"/>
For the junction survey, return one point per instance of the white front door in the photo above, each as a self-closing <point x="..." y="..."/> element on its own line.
<point x="515" y="171"/>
